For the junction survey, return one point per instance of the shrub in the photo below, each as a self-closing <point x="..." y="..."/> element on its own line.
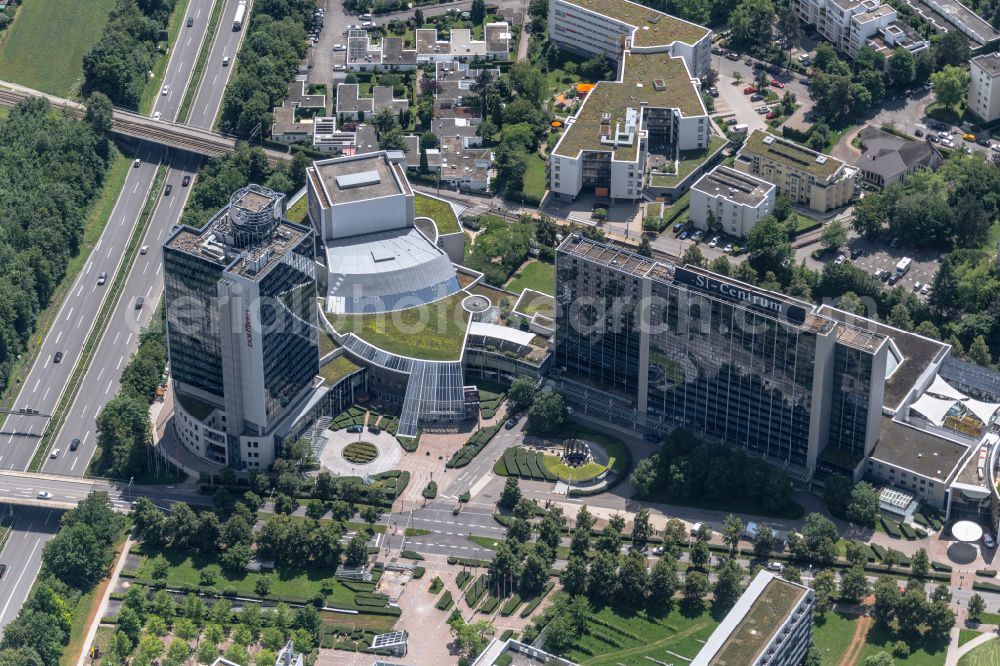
<point x="431" y="491"/>
<point x="444" y="603"/>
<point x="511" y="605"/>
<point x="418" y="572"/>
<point x="986" y="573"/>
<point x="464" y="497"/>
<point x="436" y="585"/>
<point x="411" y="555"/>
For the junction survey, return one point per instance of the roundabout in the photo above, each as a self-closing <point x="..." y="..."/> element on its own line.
<point x="359" y="454"/>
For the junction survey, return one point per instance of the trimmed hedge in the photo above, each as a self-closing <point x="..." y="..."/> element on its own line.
<point x="462" y="578"/>
<point x="489" y="605"/>
<point x="986" y="573"/>
<point x="891" y="527"/>
<point x="472" y="447"/>
<point x="476" y="591"/>
<point x="534" y="601"/>
<point x="518" y="461"/>
<point x="436" y="585"/>
<point x="444" y="603"/>
<point x="468" y="561"/>
<point x="511" y="605"/>
<point x="937" y="566"/>
<point x="418" y="572"/>
<point x="907" y="531"/>
<point x="411" y="555"/>
<point x="986" y="587"/>
<point x="431" y="491"/>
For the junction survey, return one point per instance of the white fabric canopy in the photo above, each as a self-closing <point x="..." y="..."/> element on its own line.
<point x="984" y="410"/>
<point x="967" y="531"/>
<point x="933" y="409"/>
<point x="945" y="390"/>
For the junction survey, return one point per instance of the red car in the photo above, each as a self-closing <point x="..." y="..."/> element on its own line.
<point x="771" y="115"/>
<point x="749" y="90"/>
<point x="777" y="84"/>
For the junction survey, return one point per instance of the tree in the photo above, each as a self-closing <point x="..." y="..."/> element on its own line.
<point x="522" y="393"/>
<point x="854" y="585"/>
<point x="870" y="215"/>
<point x="920" y="564"/>
<point x="792" y="574"/>
<point x="477" y="13"/>
<point x="750" y="23"/>
<point x="819" y="539"/>
<point x="370" y="515"/>
<point x="976" y="607"/>
<point x="534" y="573"/>
<point x="763" y="542"/>
<point x="76" y="556"/>
<point x="855" y="553"/>
<point x="357" y="550"/>
<point x="696" y="588"/>
<point x="575" y="577"/>
<point x="692" y="255"/>
<point x="862" y="509"/>
<point x="641" y="528"/>
<point x="663" y="581"/>
<point x="834" y="236"/>
<point x="879" y="659"/>
<point x="952" y="49"/>
<point x="951" y="84"/>
<point x="824" y="586"/>
<point x="902" y="67"/>
<point x="645" y="249"/>
<point x="632" y="579"/>
<point x="768" y="245"/>
<point x="732" y="532"/>
<point x="699" y="556"/>
<point x="177" y="653"/>
<point x="979" y="352"/>
<point x="547" y="413"/>
<point x="99" y="113"/>
<point x="207" y="652"/>
<point x="36" y="630"/>
<point x="603" y="576"/>
<point x="728" y="585"/>
<point x="471" y="638"/>
<point x="887" y="600"/>
<point x="263" y="585"/>
<point x="566" y="627"/>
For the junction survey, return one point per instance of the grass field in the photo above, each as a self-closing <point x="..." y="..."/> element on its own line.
<point x="48" y="40"/>
<point x="535" y="275"/>
<point x="641" y="634"/>
<point x="581" y="473"/>
<point x="440" y="211"/>
<point x="966" y="635"/>
<point x="534" y="179"/>
<point x="833" y="635"/>
<point x="984" y="655"/>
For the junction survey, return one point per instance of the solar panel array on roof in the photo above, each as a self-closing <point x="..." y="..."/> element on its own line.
<point x="359" y="179"/>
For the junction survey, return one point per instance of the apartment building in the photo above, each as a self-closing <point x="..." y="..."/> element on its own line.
<point x="853" y="24"/>
<point x="611" y="27"/>
<point x="770" y="625"/>
<point x="984" y="87"/>
<point x="653" y="106"/>
<point x="351" y="106"/>
<point x="808" y="178"/>
<point x="735" y="201"/>
<point x="391" y="55"/>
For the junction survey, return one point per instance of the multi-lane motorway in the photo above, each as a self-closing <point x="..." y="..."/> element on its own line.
<point x="46" y="379"/>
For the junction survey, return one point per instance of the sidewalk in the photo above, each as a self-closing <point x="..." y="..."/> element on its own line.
<point x="102" y="609"/>
<point x="955" y="653"/>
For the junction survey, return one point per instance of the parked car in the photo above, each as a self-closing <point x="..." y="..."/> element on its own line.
<point x="339" y="68"/>
<point x="933" y="138"/>
<point x="339" y="47"/>
<point x="58" y="357"/>
<point x="713" y="92"/>
<point x="840" y="259"/>
<point x="748" y="62"/>
<point x="756" y="97"/>
<point x="684" y="235"/>
<point x="775" y="566"/>
<point x="718" y="51"/>
<point x="917" y="286"/>
<point x="714" y="241"/>
<point x="894" y="243"/>
<point x="749" y="90"/>
<point x="985" y="143"/>
<point x="879" y="273"/>
<point x="733" y="56"/>
<point x="732" y="121"/>
<point x="728" y="249"/>
<point x="918" y="132"/>
<point x="969" y="137"/>
<point x="926" y="289"/>
<point x="763" y="109"/>
<point x="777" y="84"/>
<point x="771" y="115"/>
<point x="355" y="429"/>
<point x="374" y="429"/>
<point x="510" y="423"/>
<point x="75" y="444"/>
<point x="893" y="278"/>
<point x="678" y="226"/>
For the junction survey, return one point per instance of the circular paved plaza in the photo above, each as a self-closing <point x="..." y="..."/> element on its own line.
<point x="332" y="457"/>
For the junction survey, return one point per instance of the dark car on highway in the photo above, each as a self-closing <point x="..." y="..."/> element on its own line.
<point x="75" y="444"/>
<point x="57" y="357"/>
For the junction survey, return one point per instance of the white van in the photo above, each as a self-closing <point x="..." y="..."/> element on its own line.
<point x="903" y="265"/>
<point x="740" y="128"/>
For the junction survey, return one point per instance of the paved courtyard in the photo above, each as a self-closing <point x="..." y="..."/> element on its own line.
<point x="332" y="457"/>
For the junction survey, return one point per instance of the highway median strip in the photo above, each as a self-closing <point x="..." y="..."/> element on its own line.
<point x="199" y="68"/>
<point x="101" y="322"/>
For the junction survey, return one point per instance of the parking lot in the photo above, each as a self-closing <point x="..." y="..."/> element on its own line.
<point x="877" y="256"/>
<point x="732" y="101"/>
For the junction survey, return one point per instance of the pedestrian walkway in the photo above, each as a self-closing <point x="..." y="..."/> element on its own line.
<point x="109" y="585"/>
<point x="955" y="653"/>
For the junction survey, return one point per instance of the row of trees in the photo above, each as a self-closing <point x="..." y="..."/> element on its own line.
<point x="275" y="44"/>
<point x="73" y="562"/>
<point x="684" y="467"/>
<point x="146" y="619"/>
<point x="53" y="168"/>
<point x="118" y="65"/>
<point x="223" y="175"/>
<point x="123" y="426"/>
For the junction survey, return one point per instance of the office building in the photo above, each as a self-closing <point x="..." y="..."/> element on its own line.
<point x="808" y="178"/>
<point x="853" y="24"/>
<point x="683" y="346"/>
<point x="242" y="339"/>
<point x="984" y="87"/>
<point x="734" y="201"/>
<point x="770" y="625"/>
<point x="653" y="107"/>
<point x="610" y="27"/>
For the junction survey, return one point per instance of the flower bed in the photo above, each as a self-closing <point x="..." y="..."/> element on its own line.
<point x="360" y="453"/>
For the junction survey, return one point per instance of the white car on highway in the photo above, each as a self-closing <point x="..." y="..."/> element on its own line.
<point x="166" y="89"/>
<point x="54" y="454"/>
<point x="44" y="495"/>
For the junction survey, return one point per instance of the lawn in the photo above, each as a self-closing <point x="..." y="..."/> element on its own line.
<point x="532" y="302"/>
<point x="298" y="212"/>
<point x="966" y="635"/>
<point x="583" y="473"/>
<point x="292" y="584"/>
<point x="535" y="275"/>
<point x="833" y="635"/>
<point x="48" y="40"/>
<point x="688" y="161"/>
<point x="642" y="635"/>
<point x="434" y="332"/>
<point x="620" y="457"/>
<point x="984" y="655"/>
<point x="440" y="211"/>
<point x="535" y="181"/>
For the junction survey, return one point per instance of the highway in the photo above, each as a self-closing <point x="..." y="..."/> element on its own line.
<point x="213" y="82"/>
<point x="46" y="379"/>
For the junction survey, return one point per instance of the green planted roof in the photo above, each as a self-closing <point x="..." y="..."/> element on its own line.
<point x="439" y="211"/>
<point x="654" y="27"/>
<point x="791" y="154"/>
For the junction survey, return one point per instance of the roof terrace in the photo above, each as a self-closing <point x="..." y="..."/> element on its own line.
<point x="654" y="28"/>
<point x="788" y="153"/>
